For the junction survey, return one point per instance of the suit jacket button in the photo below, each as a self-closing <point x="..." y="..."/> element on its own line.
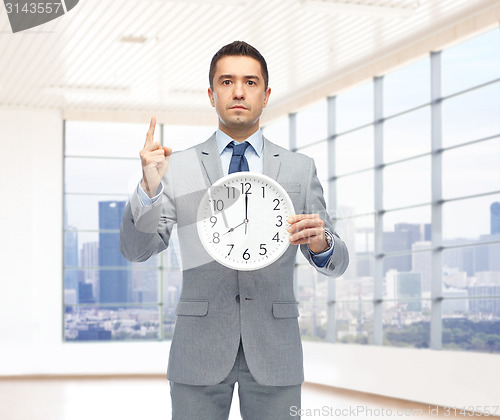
<point x="237" y="298"/>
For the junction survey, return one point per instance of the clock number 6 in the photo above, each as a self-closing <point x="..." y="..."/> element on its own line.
<point x="246" y="255"/>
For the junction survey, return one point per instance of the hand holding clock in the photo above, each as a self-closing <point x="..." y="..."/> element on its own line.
<point x="308" y="229"/>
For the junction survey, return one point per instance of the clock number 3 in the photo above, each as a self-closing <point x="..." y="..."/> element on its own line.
<point x="280" y="221"/>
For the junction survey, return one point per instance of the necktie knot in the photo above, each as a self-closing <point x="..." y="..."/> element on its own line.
<point x="239" y="149"/>
<point x="238" y="160"/>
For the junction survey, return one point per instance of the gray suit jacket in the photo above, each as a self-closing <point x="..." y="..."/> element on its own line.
<point x="219" y="305"/>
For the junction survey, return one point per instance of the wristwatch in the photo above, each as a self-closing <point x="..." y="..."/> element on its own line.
<point x="329" y="241"/>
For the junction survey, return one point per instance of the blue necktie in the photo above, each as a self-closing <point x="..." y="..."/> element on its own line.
<point x="238" y="160"/>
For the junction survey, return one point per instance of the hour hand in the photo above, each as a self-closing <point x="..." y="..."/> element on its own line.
<point x="230" y="230"/>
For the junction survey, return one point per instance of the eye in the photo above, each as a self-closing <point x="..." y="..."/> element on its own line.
<point x="251" y="82"/>
<point x="226" y="82"/>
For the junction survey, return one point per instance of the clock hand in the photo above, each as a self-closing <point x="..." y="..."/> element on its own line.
<point x="230" y="230"/>
<point x="246" y="213"/>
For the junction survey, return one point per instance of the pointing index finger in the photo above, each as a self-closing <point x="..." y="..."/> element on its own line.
<point x="151" y="132"/>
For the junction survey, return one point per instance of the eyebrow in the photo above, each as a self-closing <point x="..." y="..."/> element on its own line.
<point x="230" y="76"/>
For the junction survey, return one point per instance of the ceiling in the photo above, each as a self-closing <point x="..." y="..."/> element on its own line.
<point x="128" y="59"/>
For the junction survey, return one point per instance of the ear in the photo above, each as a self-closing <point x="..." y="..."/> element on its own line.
<point x="266" y="96"/>
<point x="211" y="96"/>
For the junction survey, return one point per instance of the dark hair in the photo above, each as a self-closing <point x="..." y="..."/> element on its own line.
<point x="238" y="48"/>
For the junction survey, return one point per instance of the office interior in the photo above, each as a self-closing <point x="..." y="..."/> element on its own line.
<point x="398" y="102"/>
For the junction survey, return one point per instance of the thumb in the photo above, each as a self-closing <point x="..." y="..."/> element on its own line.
<point x="167" y="151"/>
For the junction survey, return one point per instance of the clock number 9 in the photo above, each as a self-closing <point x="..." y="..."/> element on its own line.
<point x="277" y="204"/>
<point x="216" y="238"/>
<point x="246" y="255"/>
<point x="213" y="220"/>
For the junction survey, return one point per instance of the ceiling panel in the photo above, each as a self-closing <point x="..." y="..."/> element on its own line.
<point x="79" y="62"/>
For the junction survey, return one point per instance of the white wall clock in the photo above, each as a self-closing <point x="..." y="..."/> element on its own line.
<point x="242" y="220"/>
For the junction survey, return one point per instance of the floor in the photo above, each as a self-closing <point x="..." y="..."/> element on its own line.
<point x="148" y="398"/>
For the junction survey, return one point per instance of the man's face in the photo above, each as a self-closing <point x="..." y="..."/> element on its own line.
<point x="239" y="94"/>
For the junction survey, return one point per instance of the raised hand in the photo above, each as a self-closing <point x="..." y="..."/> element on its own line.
<point x="154" y="159"/>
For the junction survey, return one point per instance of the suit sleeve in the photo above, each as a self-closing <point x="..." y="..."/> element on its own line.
<point x="337" y="264"/>
<point x="145" y="230"/>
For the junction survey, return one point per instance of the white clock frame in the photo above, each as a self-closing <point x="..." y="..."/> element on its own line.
<point x="249" y="233"/>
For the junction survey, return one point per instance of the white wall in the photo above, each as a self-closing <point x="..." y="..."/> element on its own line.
<point x="31" y="297"/>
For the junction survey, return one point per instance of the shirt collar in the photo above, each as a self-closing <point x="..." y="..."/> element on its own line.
<point x="255" y="141"/>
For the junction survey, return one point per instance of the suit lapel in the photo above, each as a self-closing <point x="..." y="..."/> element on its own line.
<point x="210" y="159"/>
<point x="272" y="160"/>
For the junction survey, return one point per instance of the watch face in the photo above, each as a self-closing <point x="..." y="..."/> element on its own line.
<point x="242" y="220"/>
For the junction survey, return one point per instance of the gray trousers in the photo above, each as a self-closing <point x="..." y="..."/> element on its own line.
<point x="257" y="402"/>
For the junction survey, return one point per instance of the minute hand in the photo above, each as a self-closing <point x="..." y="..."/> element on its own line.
<point x="246" y="212"/>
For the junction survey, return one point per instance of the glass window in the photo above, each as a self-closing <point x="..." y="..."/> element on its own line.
<point x="405" y="229"/>
<point x="469" y="220"/>
<point x="472" y="169"/>
<point x="407" y="135"/>
<point x="407" y="87"/>
<point x="312" y="124"/>
<point x="85" y="138"/>
<point x="107" y="297"/>
<point x="354" y="107"/>
<point x="357" y="282"/>
<point x="319" y="152"/>
<point x="102" y="176"/>
<point x="355" y="193"/>
<point x="407" y="183"/>
<point x="471" y="63"/>
<point x="471" y="324"/>
<point x="82" y="211"/>
<point x="472" y="271"/>
<point x="313" y="321"/>
<point x="96" y="323"/>
<point x="354" y="322"/>
<point x="471" y="116"/>
<point x="278" y="132"/>
<point x="354" y="151"/>
<point x="406" y="323"/>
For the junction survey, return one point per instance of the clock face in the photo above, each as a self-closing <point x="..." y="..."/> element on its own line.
<point x="242" y="220"/>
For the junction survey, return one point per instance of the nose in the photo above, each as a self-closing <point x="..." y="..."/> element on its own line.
<point x="238" y="93"/>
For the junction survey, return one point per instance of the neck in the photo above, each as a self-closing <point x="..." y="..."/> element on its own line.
<point x="241" y="133"/>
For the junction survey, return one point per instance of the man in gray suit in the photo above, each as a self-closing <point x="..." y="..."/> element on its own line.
<point x="232" y="326"/>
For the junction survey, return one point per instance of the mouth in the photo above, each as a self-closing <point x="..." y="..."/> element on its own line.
<point x="238" y="107"/>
